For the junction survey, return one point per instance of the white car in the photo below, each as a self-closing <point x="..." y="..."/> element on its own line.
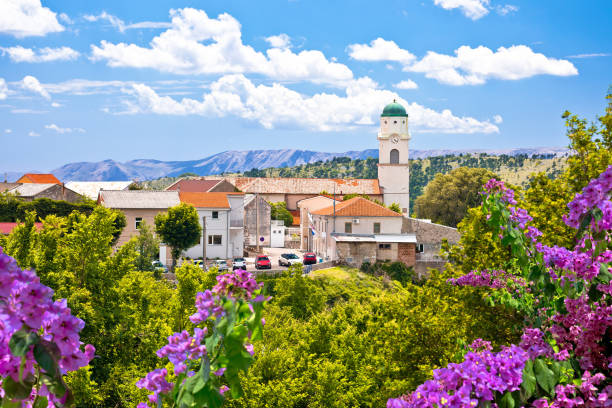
<point x="289" y="259"/>
<point x="239" y="263"/>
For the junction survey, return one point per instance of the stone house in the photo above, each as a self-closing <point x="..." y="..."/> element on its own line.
<point x="429" y="237"/>
<point x="222" y="217"/>
<point x="31" y="191"/>
<point x="359" y="230"/>
<point x="138" y="206"/>
<point x="309" y="205"/>
<point x="257" y="220"/>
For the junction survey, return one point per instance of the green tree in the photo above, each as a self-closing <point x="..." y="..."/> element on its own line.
<point x="179" y="228"/>
<point x="147" y="247"/>
<point x="395" y="207"/>
<point x="279" y="211"/>
<point x="448" y="197"/>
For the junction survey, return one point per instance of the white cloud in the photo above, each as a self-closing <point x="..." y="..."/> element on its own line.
<point x="113" y="20"/>
<point x="277" y="106"/>
<point x="31" y="84"/>
<point x="279" y="41"/>
<point x="474" y="66"/>
<point x="21" y="54"/>
<point x="8" y="131"/>
<point x="498" y="119"/>
<point x="380" y="50"/>
<point x="197" y="44"/>
<point x="56" y="105"/>
<point x="506" y="9"/>
<point x="64" y="17"/>
<point x="473" y="9"/>
<point x="62" y="130"/>
<point x="24" y="18"/>
<point x="29" y="111"/>
<point x="593" y="55"/>
<point x="471" y="66"/>
<point x="33" y="134"/>
<point x="406" y="84"/>
<point x="3" y="89"/>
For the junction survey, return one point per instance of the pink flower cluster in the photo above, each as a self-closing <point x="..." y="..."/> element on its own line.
<point x="470" y="382"/>
<point x="581" y="262"/>
<point x="532" y="341"/>
<point x="494" y="186"/>
<point x="156" y="382"/>
<point x="582" y="329"/>
<point x="585" y="395"/>
<point x="239" y="284"/>
<point x="595" y="194"/>
<point x="495" y="279"/>
<point x="181" y="347"/>
<point x="27" y="304"/>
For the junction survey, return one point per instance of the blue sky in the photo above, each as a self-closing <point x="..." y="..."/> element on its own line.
<point x="122" y="80"/>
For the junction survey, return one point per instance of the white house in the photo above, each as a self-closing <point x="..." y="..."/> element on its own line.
<point x="221" y="216"/>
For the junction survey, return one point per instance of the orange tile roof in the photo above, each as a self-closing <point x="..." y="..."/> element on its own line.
<point x="357" y="207"/>
<point x="39" y="178"/>
<point x="296" y="216"/>
<point x="282" y="185"/>
<point x="205" y="200"/>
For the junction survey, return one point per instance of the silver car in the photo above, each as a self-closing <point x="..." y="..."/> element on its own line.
<point x="239" y="263"/>
<point x="221" y="265"/>
<point x="289" y="259"/>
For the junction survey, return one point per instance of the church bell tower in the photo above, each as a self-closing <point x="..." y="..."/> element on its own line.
<point x="393" y="166"/>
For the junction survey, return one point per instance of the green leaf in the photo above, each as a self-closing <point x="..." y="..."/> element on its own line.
<point x="528" y="385"/>
<point x="544" y="376"/>
<point x="8" y="403"/>
<point x="507" y="401"/>
<point x="17" y="390"/>
<point x="21" y="341"/>
<point x="40" y="402"/>
<point x="45" y="359"/>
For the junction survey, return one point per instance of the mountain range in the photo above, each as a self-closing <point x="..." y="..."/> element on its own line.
<point x="239" y="161"/>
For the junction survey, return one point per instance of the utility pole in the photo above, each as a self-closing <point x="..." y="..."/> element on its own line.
<point x="204" y="241"/>
<point x="257" y="221"/>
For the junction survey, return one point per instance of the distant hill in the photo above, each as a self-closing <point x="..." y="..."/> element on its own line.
<point x="240" y="161"/>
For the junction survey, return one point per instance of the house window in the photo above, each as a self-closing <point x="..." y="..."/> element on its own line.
<point x="419" y="248"/>
<point x="395" y="121"/>
<point x="394" y="156"/>
<point x="138" y="222"/>
<point x="348" y="227"/>
<point x="384" y="246"/>
<point x="377" y="227"/>
<point x="214" y="240"/>
<point x="215" y="214"/>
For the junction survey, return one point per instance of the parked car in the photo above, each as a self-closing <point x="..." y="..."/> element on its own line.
<point x="310" y="258"/>
<point x="289" y="259"/>
<point x="199" y="263"/>
<point x="239" y="263"/>
<point x="157" y="265"/>
<point x="263" y="262"/>
<point x="221" y="265"/>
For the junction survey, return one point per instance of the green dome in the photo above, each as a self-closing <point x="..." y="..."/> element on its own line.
<point x="394" y="109"/>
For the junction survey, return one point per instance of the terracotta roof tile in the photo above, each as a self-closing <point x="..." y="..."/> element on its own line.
<point x="282" y="185"/>
<point x="357" y="207"/>
<point x="193" y="186"/>
<point x="8" y="227"/>
<point x="39" y="178"/>
<point x="205" y="200"/>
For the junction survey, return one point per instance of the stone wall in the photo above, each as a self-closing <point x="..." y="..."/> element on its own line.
<point x="356" y="253"/>
<point x="250" y="222"/>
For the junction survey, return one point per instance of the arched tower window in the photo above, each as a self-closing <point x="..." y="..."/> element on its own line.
<point x="394" y="157"/>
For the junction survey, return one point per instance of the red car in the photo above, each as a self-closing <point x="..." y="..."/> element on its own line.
<point x="310" y="258"/>
<point x="263" y="262"/>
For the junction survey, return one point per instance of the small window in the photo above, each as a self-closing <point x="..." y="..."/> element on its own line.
<point x="138" y="222"/>
<point x="384" y="246"/>
<point x="377" y="227"/>
<point x="395" y="121"/>
<point x="419" y="248"/>
<point x="404" y="210"/>
<point x="348" y="227"/>
<point x="403" y="121"/>
<point x="214" y="240"/>
<point x="215" y="214"/>
<point x="394" y="156"/>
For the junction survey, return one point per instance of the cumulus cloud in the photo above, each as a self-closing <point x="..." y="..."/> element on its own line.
<point x="473" y="9"/>
<point x="120" y="24"/>
<point x="474" y="66"/>
<point x="33" y="134"/>
<point x="277" y="106"/>
<point x="21" y="54"/>
<point x="62" y="130"/>
<point x="406" y="84"/>
<point x="197" y="44"/>
<point x="506" y="9"/>
<point x="380" y="50"/>
<point x="498" y="119"/>
<point x="8" y="131"/>
<point x="3" y="89"/>
<point x="56" y="105"/>
<point x="32" y="84"/>
<point x="279" y="41"/>
<point x="25" y="18"/>
<point x="65" y="18"/>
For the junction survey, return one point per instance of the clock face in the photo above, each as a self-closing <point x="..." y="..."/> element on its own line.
<point x="395" y="139"/>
